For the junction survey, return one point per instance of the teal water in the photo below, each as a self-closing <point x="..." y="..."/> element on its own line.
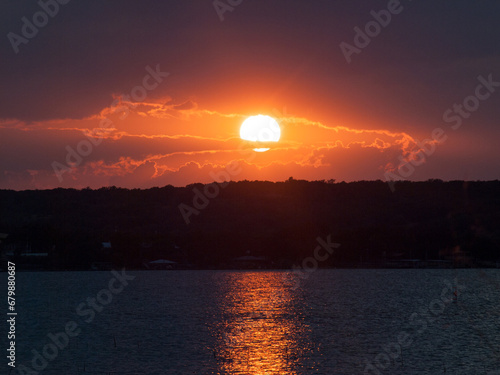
<point x="244" y="322"/>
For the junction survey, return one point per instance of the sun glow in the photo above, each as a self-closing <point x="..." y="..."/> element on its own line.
<point x="260" y="333"/>
<point x="260" y="128"/>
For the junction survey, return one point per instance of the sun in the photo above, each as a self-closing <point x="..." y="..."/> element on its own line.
<point x="260" y="128"/>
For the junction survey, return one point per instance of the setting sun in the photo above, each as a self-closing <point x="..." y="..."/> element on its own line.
<point x="232" y="187"/>
<point x="260" y="128"/>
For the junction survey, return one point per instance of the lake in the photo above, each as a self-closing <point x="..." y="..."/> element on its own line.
<point x="259" y="322"/>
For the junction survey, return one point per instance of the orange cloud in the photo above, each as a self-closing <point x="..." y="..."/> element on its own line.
<point x="165" y="142"/>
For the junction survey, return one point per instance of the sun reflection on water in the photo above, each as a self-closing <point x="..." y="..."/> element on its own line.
<point x="260" y="329"/>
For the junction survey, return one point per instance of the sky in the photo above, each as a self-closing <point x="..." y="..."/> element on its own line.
<point x="148" y="93"/>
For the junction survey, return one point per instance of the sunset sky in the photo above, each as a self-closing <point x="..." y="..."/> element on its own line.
<point x="148" y="93"/>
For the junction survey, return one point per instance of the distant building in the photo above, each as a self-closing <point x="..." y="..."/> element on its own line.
<point x="106" y="245"/>
<point x="162" y="264"/>
<point x="35" y="255"/>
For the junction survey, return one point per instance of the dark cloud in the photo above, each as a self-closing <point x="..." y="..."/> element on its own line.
<point x="91" y="49"/>
<point x="265" y="54"/>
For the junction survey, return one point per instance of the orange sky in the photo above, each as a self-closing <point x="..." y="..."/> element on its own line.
<point x="157" y="143"/>
<point x="159" y="99"/>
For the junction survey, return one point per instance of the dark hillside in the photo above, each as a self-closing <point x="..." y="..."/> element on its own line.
<point x="456" y="221"/>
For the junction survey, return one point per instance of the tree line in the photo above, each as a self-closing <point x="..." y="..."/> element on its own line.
<point x="456" y="221"/>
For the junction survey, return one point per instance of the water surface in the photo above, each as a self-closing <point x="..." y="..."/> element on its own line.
<point x="256" y="323"/>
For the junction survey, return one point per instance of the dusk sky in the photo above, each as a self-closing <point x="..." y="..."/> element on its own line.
<point x="148" y="93"/>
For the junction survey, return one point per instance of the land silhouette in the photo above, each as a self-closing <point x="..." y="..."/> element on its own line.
<point x="254" y="224"/>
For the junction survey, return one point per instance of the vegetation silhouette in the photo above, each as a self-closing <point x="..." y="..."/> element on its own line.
<point x="420" y="224"/>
